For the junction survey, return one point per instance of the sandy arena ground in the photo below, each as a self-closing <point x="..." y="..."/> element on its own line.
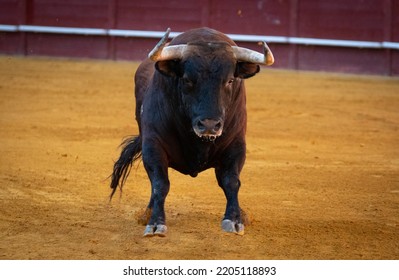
<point x="321" y="180"/>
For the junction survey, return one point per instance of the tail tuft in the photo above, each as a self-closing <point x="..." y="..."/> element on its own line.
<point x="131" y="151"/>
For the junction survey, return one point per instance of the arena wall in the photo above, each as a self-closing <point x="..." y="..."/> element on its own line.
<point x="356" y="36"/>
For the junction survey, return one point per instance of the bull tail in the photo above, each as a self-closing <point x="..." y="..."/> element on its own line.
<point x="131" y="151"/>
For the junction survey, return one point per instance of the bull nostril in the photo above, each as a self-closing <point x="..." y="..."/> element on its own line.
<point x="209" y="126"/>
<point x="218" y="126"/>
<point x="201" y="126"/>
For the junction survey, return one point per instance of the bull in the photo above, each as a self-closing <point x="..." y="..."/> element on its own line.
<point x="191" y="114"/>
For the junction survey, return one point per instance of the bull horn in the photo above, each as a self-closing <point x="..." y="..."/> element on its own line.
<point x="163" y="52"/>
<point x="248" y="55"/>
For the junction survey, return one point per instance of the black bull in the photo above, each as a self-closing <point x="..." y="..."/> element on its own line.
<point x="190" y="108"/>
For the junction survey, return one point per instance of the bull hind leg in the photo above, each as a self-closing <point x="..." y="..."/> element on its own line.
<point x="143" y="216"/>
<point x="245" y="217"/>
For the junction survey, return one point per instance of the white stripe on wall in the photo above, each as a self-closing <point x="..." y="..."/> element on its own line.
<point x="235" y="37"/>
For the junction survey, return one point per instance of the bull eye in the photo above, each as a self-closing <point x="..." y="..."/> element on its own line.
<point x="187" y="85"/>
<point x="230" y="82"/>
<point x="187" y="82"/>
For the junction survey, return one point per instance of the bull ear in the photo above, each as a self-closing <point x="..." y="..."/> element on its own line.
<point x="170" y="68"/>
<point x="246" y="70"/>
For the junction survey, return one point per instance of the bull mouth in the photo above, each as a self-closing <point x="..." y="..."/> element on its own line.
<point x="207" y="137"/>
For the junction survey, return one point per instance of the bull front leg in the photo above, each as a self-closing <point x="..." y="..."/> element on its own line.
<point x="155" y="164"/>
<point x="228" y="179"/>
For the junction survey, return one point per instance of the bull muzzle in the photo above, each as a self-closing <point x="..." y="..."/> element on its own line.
<point x="208" y="129"/>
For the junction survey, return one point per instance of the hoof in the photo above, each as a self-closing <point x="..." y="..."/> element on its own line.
<point x="158" y="230"/>
<point x="233" y="227"/>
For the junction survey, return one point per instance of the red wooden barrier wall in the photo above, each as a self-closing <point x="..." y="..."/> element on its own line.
<point x="358" y="20"/>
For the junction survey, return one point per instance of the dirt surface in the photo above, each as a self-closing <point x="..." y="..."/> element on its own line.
<point x="321" y="180"/>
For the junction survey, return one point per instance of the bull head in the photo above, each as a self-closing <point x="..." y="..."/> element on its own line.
<point x="210" y="94"/>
